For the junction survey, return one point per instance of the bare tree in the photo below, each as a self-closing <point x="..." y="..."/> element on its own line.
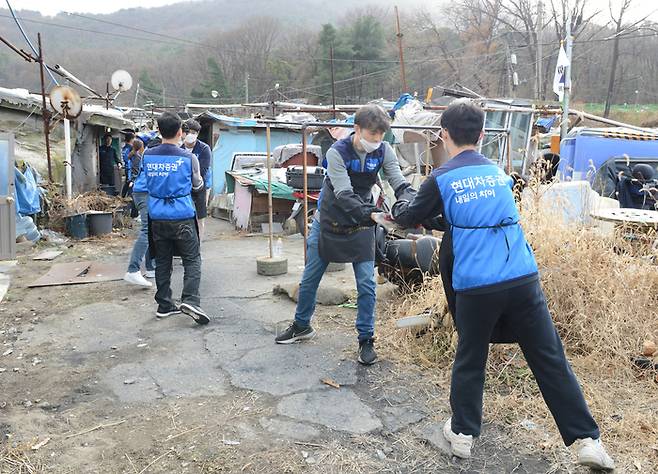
<point x="618" y="22"/>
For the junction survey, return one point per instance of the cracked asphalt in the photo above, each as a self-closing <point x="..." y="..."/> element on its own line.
<point x="117" y="389"/>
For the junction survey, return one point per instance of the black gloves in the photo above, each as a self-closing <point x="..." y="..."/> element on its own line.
<point x="405" y="192"/>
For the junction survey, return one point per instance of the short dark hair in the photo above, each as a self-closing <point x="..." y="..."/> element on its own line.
<point x="373" y="118"/>
<point x="169" y="124"/>
<point x="464" y="121"/>
<point x="192" y="124"/>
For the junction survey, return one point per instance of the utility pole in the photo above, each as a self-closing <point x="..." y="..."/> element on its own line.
<point x="403" y="79"/>
<point x="333" y="80"/>
<point x="45" y="114"/>
<point x="246" y="87"/>
<point x="540" y="50"/>
<point x="567" y="81"/>
<point x="510" y="73"/>
<point x="164" y="95"/>
<point x="136" y="95"/>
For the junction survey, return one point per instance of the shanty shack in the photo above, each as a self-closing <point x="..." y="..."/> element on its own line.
<point x="20" y="113"/>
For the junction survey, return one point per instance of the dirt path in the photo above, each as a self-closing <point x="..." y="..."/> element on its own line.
<point x="116" y="390"/>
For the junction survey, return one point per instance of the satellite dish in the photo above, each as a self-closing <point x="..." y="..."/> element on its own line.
<point x="66" y="101"/>
<point x="214" y="94"/>
<point x="121" y="80"/>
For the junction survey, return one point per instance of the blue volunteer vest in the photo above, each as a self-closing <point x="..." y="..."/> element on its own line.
<point x="196" y="151"/>
<point x="139" y="185"/>
<point x="125" y="151"/>
<point x="488" y="243"/>
<point x="169" y="183"/>
<point x="341" y="240"/>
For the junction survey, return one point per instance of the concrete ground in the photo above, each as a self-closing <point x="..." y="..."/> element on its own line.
<point x="91" y="372"/>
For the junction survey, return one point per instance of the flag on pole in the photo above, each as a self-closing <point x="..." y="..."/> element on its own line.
<point x="560" y="76"/>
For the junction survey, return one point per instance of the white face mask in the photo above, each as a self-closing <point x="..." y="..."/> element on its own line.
<point x="190" y="138"/>
<point x="369" y="147"/>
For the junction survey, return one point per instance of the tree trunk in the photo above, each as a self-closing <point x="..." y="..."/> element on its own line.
<point x="613" y="72"/>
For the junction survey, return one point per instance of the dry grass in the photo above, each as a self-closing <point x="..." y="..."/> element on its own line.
<point x="604" y="301"/>
<point x="14" y="460"/>
<point x="58" y="207"/>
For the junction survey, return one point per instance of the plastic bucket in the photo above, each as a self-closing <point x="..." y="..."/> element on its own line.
<point x="76" y="226"/>
<point x="100" y="223"/>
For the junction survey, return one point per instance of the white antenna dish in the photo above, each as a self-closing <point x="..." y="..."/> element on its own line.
<point x="121" y="80"/>
<point x="66" y="101"/>
<point x="214" y="94"/>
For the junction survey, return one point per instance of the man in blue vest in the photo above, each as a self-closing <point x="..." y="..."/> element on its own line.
<point x="201" y="150"/>
<point x="342" y="230"/>
<point x="495" y="278"/>
<point x="171" y="175"/>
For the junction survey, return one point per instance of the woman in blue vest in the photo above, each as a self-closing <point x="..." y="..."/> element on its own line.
<point x="342" y="229"/>
<point x="495" y="278"/>
<point x="140" y="199"/>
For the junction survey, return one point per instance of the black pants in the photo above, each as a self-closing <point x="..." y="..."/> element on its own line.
<point x="176" y="238"/>
<point x="107" y="177"/>
<point x="524" y="310"/>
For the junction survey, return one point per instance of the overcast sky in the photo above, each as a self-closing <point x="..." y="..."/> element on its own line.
<point x="52" y="7"/>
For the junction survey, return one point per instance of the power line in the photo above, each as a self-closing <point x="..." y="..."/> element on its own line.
<point x="20" y="27"/>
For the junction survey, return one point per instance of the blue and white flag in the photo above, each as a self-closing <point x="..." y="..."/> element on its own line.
<point x="560" y="73"/>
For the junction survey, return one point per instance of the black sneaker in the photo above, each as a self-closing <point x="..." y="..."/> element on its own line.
<point x="165" y="313"/>
<point x="367" y="354"/>
<point x="294" y="334"/>
<point x="196" y="313"/>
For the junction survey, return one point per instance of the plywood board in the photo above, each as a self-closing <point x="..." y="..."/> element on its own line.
<point x="77" y="273"/>
<point x="48" y="255"/>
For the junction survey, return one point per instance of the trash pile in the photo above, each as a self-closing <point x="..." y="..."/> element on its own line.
<point x="603" y="300"/>
<point x="58" y="209"/>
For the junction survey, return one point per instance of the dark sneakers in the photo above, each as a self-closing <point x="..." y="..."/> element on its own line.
<point x="165" y="313"/>
<point x="295" y="334"/>
<point x="367" y="354"/>
<point x="196" y="313"/>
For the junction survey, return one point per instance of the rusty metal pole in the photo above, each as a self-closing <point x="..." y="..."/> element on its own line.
<point x="45" y="114"/>
<point x="333" y="81"/>
<point x="509" y="153"/>
<point x="428" y="156"/>
<point x="269" y="188"/>
<point x="305" y="178"/>
<point x="399" y="35"/>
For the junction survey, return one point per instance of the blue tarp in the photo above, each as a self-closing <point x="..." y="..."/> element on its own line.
<point x="402" y="101"/>
<point x="546" y="123"/>
<point x="4" y="167"/>
<point x="27" y="192"/>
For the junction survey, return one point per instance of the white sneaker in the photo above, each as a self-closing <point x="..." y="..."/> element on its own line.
<point x="149" y="273"/>
<point x="591" y="453"/>
<point x="460" y="444"/>
<point x="136" y="278"/>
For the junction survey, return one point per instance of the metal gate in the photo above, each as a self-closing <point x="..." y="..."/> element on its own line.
<point x="7" y="204"/>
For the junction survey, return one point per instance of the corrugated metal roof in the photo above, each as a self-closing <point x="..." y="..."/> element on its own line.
<point x="22" y="99"/>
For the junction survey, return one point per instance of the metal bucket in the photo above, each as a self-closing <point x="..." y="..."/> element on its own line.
<point x="100" y="223"/>
<point x="76" y="226"/>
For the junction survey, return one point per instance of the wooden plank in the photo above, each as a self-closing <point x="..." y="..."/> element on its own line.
<point x="626" y="215"/>
<point x="48" y="255"/>
<point x="77" y="273"/>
